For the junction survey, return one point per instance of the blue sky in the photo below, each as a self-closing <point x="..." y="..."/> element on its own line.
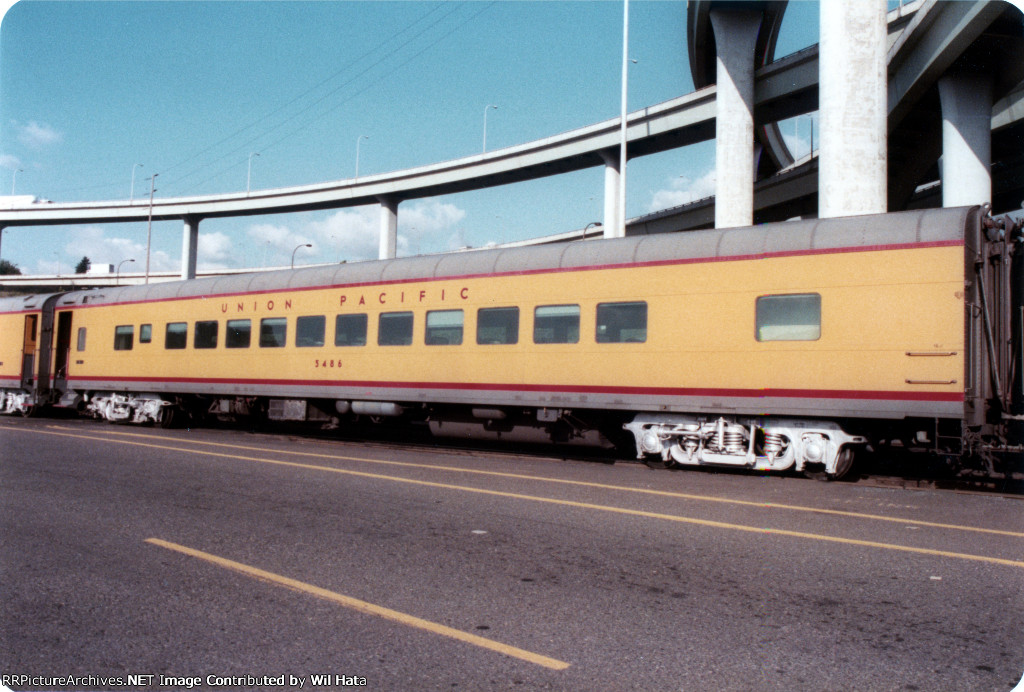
<point x="191" y="89"/>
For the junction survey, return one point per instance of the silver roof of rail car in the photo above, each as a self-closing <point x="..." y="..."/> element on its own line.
<point x="926" y="225"/>
<point x="24" y="302"/>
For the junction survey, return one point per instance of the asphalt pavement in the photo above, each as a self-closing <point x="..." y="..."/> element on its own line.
<point x="141" y="558"/>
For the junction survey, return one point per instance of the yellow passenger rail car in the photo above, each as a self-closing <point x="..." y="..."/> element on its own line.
<point x="780" y="346"/>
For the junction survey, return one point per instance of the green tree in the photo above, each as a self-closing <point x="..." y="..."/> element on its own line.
<point x="83" y="265"/>
<point x="8" y="268"/>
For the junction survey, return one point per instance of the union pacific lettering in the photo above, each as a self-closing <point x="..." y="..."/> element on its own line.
<point x="257" y="306"/>
<point x="398" y="297"/>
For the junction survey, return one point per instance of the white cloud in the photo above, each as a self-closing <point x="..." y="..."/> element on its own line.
<point x="273" y="245"/>
<point x="348" y="234"/>
<point x="93" y="242"/>
<point x="354" y="234"/>
<point x="216" y="251"/>
<point x="269" y="233"/>
<point x="37" y="135"/>
<point x="683" y="190"/>
<point x="430" y="217"/>
<point x="10" y="162"/>
<point x="428" y="226"/>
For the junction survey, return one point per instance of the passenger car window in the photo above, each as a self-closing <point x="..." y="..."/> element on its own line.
<point x="444" y="327"/>
<point x="205" y="335"/>
<point x="238" y="334"/>
<point x="124" y="337"/>
<point x="176" y="335"/>
<point x="794" y="317"/>
<point x="556" y="324"/>
<point x="350" y="330"/>
<point x="497" y="326"/>
<point x="81" y="338"/>
<point x="273" y="332"/>
<point x="620" y="323"/>
<point x="309" y="331"/>
<point x="145" y="333"/>
<point x="394" y="329"/>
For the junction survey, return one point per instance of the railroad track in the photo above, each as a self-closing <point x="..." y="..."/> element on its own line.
<point x="870" y="471"/>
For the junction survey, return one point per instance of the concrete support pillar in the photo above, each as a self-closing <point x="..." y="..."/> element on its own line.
<point x="735" y="38"/>
<point x="388" y="227"/>
<point x="966" y="139"/>
<point x="189" y="247"/>
<point x="612" y="180"/>
<point x="853" y="106"/>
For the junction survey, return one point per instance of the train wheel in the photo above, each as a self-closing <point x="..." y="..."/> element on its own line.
<point x="843" y="465"/>
<point x="170" y="416"/>
<point x="108" y="415"/>
<point x="30" y="411"/>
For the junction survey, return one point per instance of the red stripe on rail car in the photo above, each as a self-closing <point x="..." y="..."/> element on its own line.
<point x="559" y="389"/>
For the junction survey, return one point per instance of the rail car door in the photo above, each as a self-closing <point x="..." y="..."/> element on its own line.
<point x="62" y="351"/>
<point x="43" y="388"/>
<point x="28" y="351"/>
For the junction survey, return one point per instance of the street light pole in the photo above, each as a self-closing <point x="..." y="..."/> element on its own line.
<point x="248" y="176"/>
<point x="359" y="139"/>
<point x="296" y="250"/>
<point x="149" y="225"/>
<point x="486" y="108"/>
<point x="131" y="195"/>
<point x="117" y="277"/>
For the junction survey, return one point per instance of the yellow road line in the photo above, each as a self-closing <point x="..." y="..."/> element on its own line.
<point x="365" y="607"/>
<point x="573" y="503"/>
<point x="587" y="484"/>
